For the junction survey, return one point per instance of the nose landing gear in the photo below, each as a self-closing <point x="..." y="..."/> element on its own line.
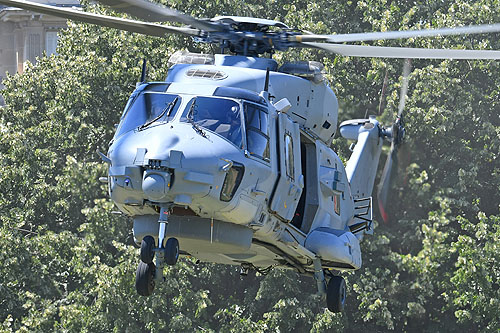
<point x="144" y="278"/>
<point x="171" y="252"/>
<point x="148" y="274"/>
<point x="147" y="249"/>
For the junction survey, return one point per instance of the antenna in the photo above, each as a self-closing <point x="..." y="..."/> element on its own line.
<point x="143" y="74"/>
<point x="266" y="84"/>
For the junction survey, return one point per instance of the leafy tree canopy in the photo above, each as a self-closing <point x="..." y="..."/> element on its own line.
<point x="69" y="262"/>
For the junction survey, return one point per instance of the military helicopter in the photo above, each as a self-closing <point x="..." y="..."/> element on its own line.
<point x="229" y="160"/>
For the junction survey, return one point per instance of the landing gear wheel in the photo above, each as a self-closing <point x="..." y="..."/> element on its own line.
<point x="171" y="251"/>
<point x="336" y="294"/>
<point x="147" y="249"/>
<point x="145" y="278"/>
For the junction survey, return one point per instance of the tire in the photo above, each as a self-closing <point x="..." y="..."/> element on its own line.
<point x="147" y="247"/>
<point x="145" y="278"/>
<point x="171" y="251"/>
<point x="336" y="294"/>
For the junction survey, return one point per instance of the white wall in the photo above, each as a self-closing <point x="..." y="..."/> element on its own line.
<point x="25" y="35"/>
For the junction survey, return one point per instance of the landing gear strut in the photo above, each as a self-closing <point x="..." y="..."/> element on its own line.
<point x="335" y="291"/>
<point x="148" y="274"/>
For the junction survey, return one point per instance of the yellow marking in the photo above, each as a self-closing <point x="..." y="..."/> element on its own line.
<point x="216" y="187"/>
<point x="298" y="38"/>
<point x="284" y="203"/>
<point x="211" y="230"/>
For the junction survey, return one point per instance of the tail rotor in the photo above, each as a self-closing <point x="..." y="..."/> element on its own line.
<point x="396" y="134"/>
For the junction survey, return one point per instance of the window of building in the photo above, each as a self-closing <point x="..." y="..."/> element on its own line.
<point x="51" y="39"/>
<point x="34" y="47"/>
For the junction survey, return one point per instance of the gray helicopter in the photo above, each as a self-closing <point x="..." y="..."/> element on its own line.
<point x="229" y="159"/>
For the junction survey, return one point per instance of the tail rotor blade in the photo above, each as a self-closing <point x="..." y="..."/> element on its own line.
<point x="397" y="134"/>
<point x="404" y="86"/>
<point x="386" y="181"/>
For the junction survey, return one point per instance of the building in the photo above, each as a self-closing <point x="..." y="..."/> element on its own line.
<point x="26" y="35"/>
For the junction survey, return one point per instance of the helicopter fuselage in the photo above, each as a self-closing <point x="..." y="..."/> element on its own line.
<point x="247" y="175"/>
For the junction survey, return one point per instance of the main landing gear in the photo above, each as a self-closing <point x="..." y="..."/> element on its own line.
<point x="148" y="274"/>
<point x="335" y="291"/>
<point x="336" y="294"/>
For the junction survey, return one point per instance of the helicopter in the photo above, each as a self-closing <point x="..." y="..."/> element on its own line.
<point x="229" y="159"/>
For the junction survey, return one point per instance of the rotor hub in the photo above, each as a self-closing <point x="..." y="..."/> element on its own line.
<point x="398" y="131"/>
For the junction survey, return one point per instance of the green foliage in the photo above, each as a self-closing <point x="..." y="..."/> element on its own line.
<point x="476" y="275"/>
<point x="69" y="262"/>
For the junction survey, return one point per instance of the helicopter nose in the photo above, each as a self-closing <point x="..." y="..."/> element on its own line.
<point x="130" y="149"/>
<point x="170" y="163"/>
<point x="155" y="186"/>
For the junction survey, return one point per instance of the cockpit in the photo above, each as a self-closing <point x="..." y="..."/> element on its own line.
<point x="218" y="115"/>
<point x="243" y="122"/>
<point x="146" y="109"/>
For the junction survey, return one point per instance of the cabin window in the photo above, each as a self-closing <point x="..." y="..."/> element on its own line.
<point x="257" y="130"/>
<point x="146" y="108"/>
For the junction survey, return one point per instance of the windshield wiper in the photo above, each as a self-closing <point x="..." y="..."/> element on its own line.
<point x="191" y="120"/>
<point x="168" y="109"/>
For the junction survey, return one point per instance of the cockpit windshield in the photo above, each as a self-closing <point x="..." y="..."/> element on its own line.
<point x="218" y="115"/>
<point x="148" y="108"/>
<point x="257" y="129"/>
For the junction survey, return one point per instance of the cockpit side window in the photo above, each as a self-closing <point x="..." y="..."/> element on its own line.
<point x="147" y="108"/>
<point x="218" y="115"/>
<point x="257" y="130"/>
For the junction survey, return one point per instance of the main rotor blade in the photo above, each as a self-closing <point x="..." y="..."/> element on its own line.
<point x="153" y="12"/>
<point x="145" y="28"/>
<point x="403" y="52"/>
<point x="361" y="37"/>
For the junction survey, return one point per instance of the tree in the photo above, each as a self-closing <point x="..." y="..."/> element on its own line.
<point x="69" y="261"/>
